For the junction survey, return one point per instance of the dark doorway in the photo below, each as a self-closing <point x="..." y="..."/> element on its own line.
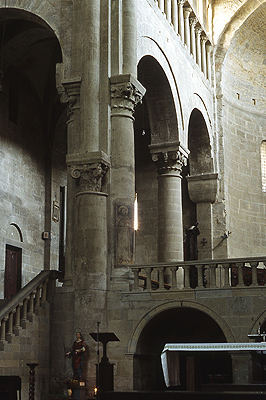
<point x="12" y="271"/>
<point x="180" y="325"/>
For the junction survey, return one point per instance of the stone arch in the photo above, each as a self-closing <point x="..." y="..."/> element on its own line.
<point x="14" y="232"/>
<point x="159" y="101"/>
<point x="149" y="47"/>
<point x="186" y="323"/>
<point x="132" y="346"/>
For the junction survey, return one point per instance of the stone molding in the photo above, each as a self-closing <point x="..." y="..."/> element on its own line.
<point x="169" y="158"/>
<point x="89" y="175"/>
<point x="126" y="93"/>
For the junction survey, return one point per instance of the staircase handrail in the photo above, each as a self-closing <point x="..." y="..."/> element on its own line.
<point x="12" y="303"/>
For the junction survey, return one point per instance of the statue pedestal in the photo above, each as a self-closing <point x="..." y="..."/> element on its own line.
<point x="79" y="393"/>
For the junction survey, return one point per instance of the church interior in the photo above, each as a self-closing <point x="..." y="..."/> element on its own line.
<point x="133" y="199"/>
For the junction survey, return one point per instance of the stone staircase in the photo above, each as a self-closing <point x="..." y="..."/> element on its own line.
<point x="25" y="333"/>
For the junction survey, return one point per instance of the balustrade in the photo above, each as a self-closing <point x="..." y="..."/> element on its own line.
<point x="200" y="275"/>
<point x="17" y="312"/>
<point x="183" y="20"/>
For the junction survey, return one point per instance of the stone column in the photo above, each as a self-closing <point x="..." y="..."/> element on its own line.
<point x="192" y="23"/>
<point x="169" y="159"/>
<point x="203" y="40"/>
<point x="161" y="5"/>
<point x="202" y="191"/>
<point x="71" y="97"/>
<point x="126" y="93"/>
<point x="129" y="37"/>
<point x="181" y="19"/>
<point x="168" y="10"/>
<point x="175" y="15"/>
<point x="187" y="11"/>
<point x="198" y="31"/>
<point x="208" y="60"/>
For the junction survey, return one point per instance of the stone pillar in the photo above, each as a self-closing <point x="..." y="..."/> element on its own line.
<point x="129" y="37"/>
<point x="192" y="23"/>
<point x="126" y="93"/>
<point x="202" y="191"/>
<point x="187" y="11"/>
<point x="175" y="15"/>
<point x="208" y="60"/>
<point x="198" y="31"/>
<point x="161" y="5"/>
<point x="169" y="159"/>
<point x="71" y="97"/>
<point x="203" y="40"/>
<point x="241" y="367"/>
<point x="181" y="19"/>
<point x="168" y="10"/>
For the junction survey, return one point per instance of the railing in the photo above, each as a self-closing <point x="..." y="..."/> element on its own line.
<point x="203" y="274"/>
<point x="16" y="312"/>
<point x="182" y="18"/>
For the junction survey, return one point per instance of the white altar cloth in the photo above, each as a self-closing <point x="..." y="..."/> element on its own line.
<point x="170" y="365"/>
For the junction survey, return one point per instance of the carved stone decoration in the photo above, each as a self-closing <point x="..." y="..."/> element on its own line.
<point x="124" y="234"/>
<point x="69" y="93"/>
<point x="89" y="175"/>
<point x="126" y="93"/>
<point x="169" y="162"/>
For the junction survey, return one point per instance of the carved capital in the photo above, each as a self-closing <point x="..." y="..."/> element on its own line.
<point x="169" y="158"/>
<point x="89" y="175"/>
<point x="70" y="94"/>
<point x="192" y="21"/>
<point x="169" y="162"/>
<point x="126" y="93"/>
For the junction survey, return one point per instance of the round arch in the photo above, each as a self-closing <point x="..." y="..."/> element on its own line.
<point x="132" y="346"/>
<point x="149" y="47"/>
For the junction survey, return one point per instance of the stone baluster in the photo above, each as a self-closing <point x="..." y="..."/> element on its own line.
<point x="31" y="306"/>
<point x="148" y="278"/>
<point x="173" y="277"/>
<point x="192" y="24"/>
<point x="208" y="60"/>
<point x="240" y="274"/>
<point x="186" y="269"/>
<point x="254" y="266"/>
<point x="44" y="292"/>
<point x="24" y="318"/>
<point x="213" y="275"/>
<point x="168" y="10"/>
<point x="161" y="5"/>
<point x="203" y="40"/>
<point x="38" y="295"/>
<point x="10" y="332"/>
<point x="200" y="276"/>
<point x="187" y="11"/>
<point x="198" y="31"/>
<point x="17" y="326"/>
<point x="226" y="268"/>
<point x="181" y="19"/>
<point x="136" y="278"/>
<point x="3" y="329"/>
<point x="175" y="15"/>
<point x="161" y="277"/>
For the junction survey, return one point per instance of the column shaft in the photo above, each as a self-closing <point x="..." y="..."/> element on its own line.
<point x="192" y="22"/>
<point x="129" y="37"/>
<point x="175" y="15"/>
<point x="170" y="222"/>
<point x="203" y="54"/>
<point x="181" y="19"/>
<point x="187" y="11"/>
<point x="208" y="61"/>
<point x="198" y="47"/>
